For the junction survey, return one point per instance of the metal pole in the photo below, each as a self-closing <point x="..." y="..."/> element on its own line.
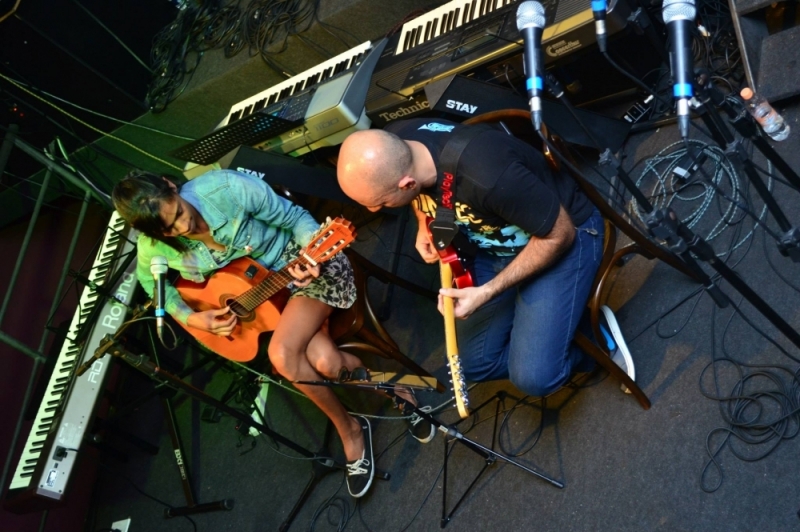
<point x="19" y="346"/>
<point x="5" y="148"/>
<point x="65" y="270"/>
<point x="57" y="168"/>
<point x="25" y="242"/>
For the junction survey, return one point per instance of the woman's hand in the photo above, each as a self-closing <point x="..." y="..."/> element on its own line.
<point x="214" y="321"/>
<point x="303" y="277"/>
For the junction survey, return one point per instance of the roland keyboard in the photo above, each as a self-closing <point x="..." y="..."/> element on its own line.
<point x="462" y="35"/>
<point x="316" y="108"/>
<point x="66" y="410"/>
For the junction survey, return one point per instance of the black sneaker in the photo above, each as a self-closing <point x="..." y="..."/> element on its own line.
<point x="419" y="427"/>
<point x="360" y="472"/>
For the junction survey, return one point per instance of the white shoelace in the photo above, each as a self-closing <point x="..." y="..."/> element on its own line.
<point x="416" y="418"/>
<point x="356" y="467"/>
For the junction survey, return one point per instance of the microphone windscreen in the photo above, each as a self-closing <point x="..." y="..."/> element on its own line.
<point x="678" y="10"/>
<point x="530" y="14"/>
<point x="158" y="265"/>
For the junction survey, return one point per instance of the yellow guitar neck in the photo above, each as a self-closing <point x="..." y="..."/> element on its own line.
<point x="451" y="344"/>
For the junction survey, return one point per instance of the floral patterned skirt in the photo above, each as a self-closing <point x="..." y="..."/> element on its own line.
<point x="335" y="286"/>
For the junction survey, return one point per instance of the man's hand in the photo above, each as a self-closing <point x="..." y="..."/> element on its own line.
<point x="465" y="300"/>
<point x="303" y="277"/>
<point x="425" y="246"/>
<point x="214" y="321"/>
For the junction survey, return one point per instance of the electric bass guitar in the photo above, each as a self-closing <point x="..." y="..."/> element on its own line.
<point x="256" y="295"/>
<point x="453" y="272"/>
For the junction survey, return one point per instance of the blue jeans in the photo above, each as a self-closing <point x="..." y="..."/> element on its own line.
<point x="525" y="333"/>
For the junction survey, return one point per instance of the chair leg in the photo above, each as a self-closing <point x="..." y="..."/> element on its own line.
<point x="605" y="361"/>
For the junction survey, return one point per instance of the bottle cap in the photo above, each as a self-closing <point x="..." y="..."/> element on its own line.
<point x="746" y="93"/>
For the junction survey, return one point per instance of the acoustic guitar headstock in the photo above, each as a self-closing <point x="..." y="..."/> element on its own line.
<point x="330" y="239"/>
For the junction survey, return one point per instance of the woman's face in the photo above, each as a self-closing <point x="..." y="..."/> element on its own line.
<point x="178" y="216"/>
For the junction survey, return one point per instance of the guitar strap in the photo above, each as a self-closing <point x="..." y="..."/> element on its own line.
<point x="443" y="228"/>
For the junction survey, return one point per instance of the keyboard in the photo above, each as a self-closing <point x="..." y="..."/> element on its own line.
<point x="463" y="35"/>
<point x="66" y="410"/>
<point x="296" y="84"/>
<point x="316" y="108"/>
<point x="444" y="19"/>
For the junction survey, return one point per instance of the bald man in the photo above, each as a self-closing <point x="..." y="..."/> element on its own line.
<point x="539" y="244"/>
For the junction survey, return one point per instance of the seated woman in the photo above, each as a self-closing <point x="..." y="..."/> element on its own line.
<point x="224" y="215"/>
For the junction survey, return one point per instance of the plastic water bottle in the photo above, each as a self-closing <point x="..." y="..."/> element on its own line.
<point x="771" y="122"/>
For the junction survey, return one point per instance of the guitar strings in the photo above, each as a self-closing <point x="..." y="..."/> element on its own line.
<point x="267" y="288"/>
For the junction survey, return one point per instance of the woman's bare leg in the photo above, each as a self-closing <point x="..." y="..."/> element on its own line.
<point x="300" y="322"/>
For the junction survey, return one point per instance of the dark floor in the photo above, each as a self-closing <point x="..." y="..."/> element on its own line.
<point x="624" y="468"/>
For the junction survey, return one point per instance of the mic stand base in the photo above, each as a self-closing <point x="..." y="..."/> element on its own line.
<point x="683" y="241"/>
<point x="489" y="455"/>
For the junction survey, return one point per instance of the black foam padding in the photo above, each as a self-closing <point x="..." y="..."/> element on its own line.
<point x="779" y="69"/>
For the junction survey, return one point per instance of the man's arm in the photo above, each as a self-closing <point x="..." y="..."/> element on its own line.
<point x="537" y="255"/>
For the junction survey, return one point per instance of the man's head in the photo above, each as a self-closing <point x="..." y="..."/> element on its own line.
<point x="375" y="169"/>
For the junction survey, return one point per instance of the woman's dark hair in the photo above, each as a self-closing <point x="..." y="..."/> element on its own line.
<point x="138" y="199"/>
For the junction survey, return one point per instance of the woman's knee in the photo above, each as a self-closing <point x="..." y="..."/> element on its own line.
<point x="284" y="358"/>
<point x="325" y="362"/>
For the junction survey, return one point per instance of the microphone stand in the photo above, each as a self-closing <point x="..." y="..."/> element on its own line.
<point x="451" y="432"/>
<point x="665" y="225"/>
<point x="321" y="464"/>
<point x="608" y="158"/>
<point x="707" y="97"/>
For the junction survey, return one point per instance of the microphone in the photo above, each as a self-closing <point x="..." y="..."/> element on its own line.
<point x="530" y="23"/>
<point x="679" y="17"/>
<point x="599" y="9"/>
<point x="158" y="267"/>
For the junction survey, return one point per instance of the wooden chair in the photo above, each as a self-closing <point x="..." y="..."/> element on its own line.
<point x="358" y="329"/>
<point x="518" y="122"/>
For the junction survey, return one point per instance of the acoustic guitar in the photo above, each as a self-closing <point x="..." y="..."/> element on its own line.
<point x="453" y="272"/>
<point x="256" y="295"/>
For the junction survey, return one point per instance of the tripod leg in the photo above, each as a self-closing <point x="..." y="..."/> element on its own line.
<point x="191" y="506"/>
<point x="446" y="517"/>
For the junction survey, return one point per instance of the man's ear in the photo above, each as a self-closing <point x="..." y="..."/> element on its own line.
<point x="407" y="183"/>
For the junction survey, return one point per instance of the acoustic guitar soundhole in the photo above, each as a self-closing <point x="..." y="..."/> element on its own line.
<point x="237" y="308"/>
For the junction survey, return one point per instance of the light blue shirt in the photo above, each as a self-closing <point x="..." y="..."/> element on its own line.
<point x="244" y="214"/>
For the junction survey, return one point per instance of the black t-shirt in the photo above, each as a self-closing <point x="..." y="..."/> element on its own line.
<point x="504" y="190"/>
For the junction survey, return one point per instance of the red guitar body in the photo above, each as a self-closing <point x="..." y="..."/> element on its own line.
<point x="462" y="278"/>
<point x="217" y="291"/>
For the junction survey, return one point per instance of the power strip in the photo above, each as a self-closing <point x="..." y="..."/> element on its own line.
<point x="122" y="525"/>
